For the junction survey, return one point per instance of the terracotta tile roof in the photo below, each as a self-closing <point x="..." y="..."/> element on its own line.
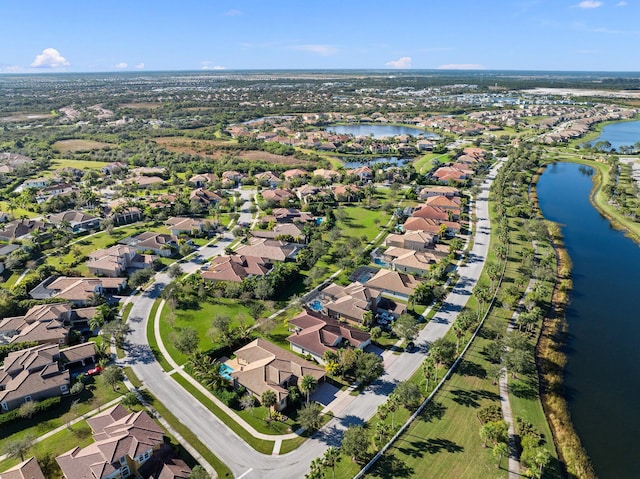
<point x="266" y="366"/>
<point x="394" y="282"/>
<point x="317" y="333"/>
<point x="236" y="268"/>
<point x="271" y="249"/>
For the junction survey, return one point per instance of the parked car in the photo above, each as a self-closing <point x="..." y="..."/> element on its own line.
<point x="94" y="371"/>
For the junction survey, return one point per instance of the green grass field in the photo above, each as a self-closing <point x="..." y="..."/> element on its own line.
<point x="200" y="320"/>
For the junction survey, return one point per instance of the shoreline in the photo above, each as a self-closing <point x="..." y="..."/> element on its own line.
<point x="551" y="360"/>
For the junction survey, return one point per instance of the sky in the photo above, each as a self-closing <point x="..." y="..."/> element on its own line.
<point x="40" y="36"/>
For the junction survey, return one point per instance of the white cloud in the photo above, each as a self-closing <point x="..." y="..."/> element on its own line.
<point x="140" y="65"/>
<point x="590" y="4"/>
<point x="121" y="65"/>
<point x="322" y="50"/>
<point x="462" y="66"/>
<point x="13" y="69"/>
<point x="232" y="13"/>
<point x="50" y="58"/>
<point x="404" y="62"/>
<point x="207" y="65"/>
<point x="621" y="4"/>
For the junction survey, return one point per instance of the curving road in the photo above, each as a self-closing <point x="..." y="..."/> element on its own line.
<point x="243" y="460"/>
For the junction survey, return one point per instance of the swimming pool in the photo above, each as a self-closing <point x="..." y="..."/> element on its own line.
<point x="225" y="371"/>
<point x="379" y="262"/>
<point x="315" y="305"/>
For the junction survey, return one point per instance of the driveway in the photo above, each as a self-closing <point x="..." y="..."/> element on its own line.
<point x="244" y="461"/>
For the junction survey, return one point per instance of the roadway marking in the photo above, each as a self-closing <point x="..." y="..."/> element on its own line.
<point x="240" y="477"/>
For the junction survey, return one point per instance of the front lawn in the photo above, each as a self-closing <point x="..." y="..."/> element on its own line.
<point x="199" y="319"/>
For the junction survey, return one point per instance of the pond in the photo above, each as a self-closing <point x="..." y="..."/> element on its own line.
<point x="379" y="131"/>
<point x="624" y="133"/>
<point x="389" y="160"/>
<point x="602" y="374"/>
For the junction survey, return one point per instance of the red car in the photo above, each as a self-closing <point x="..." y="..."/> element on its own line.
<point x="94" y="371"/>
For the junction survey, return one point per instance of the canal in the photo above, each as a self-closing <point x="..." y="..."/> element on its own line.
<point x="603" y="369"/>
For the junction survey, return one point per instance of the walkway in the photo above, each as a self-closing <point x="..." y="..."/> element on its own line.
<point x="505" y="403"/>
<point x="243" y="460"/>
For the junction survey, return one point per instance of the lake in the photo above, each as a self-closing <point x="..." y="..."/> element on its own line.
<point x="379" y="131"/>
<point x="624" y="133"/>
<point x="602" y="374"/>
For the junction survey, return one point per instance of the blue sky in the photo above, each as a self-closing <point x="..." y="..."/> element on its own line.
<point x="118" y="35"/>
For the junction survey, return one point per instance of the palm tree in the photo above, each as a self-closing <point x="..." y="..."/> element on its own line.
<point x="268" y="400"/>
<point x="428" y="366"/>
<point x="330" y="458"/>
<point x="207" y="370"/>
<point x="308" y="384"/>
<point x="393" y="403"/>
<point x="315" y="471"/>
<point x="96" y="322"/>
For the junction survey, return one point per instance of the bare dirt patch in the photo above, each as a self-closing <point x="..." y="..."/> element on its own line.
<point x="26" y="117"/>
<point x="216" y="149"/>
<point x="75" y="146"/>
<point x="148" y="105"/>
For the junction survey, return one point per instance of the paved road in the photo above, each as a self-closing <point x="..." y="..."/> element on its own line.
<point x="244" y="461"/>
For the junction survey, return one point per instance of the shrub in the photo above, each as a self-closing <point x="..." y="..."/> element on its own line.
<point x="77" y="388"/>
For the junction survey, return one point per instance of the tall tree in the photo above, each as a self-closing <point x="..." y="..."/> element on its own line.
<point x="355" y="443"/>
<point x="307" y="385"/>
<point x="18" y="448"/>
<point x="499" y="451"/>
<point x="268" y="400"/>
<point x="310" y="416"/>
<point x="330" y="458"/>
<point x="112" y="375"/>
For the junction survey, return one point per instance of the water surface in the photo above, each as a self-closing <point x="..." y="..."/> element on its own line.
<point x="379" y="131"/>
<point x="603" y="369"/>
<point x="624" y="133"/>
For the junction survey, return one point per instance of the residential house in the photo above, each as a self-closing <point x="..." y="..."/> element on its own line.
<point x="56" y="189"/>
<point x="364" y="173"/>
<point x="114" y="167"/>
<point x="204" y="197"/>
<point x="449" y="173"/>
<point x="350" y="302"/>
<point x="295" y="173"/>
<point x="149" y="170"/>
<point x="393" y="283"/>
<point x="29" y="469"/>
<point x="79" y="291"/>
<point x="118" y="260"/>
<point x="289" y="215"/>
<point x="316" y="334"/>
<point x="309" y="193"/>
<point x="277" y="196"/>
<point x="410" y="261"/>
<point x="32" y="374"/>
<point x="22" y="228"/>
<point x="144" y="180"/>
<point x="236" y="268"/>
<point x="44" y="324"/>
<point x="182" y="224"/>
<point x="268" y="178"/>
<point x="274" y="250"/>
<point x="422" y="224"/>
<point x="347" y="193"/>
<point x="437" y="213"/>
<point x="262" y="366"/>
<point x="123" y="213"/>
<point x="441" y="201"/>
<point x="124" y="441"/>
<point x="36" y="183"/>
<point x="438" y="190"/>
<point x="78" y="220"/>
<point x="232" y="178"/>
<point x="329" y="175"/>
<point x="78" y="355"/>
<point x="413" y="240"/>
<point x="282" y="230"/>
<point x="425" y="145"/>
<point x="202" y="180"/>
<point x="159" y="244"/>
